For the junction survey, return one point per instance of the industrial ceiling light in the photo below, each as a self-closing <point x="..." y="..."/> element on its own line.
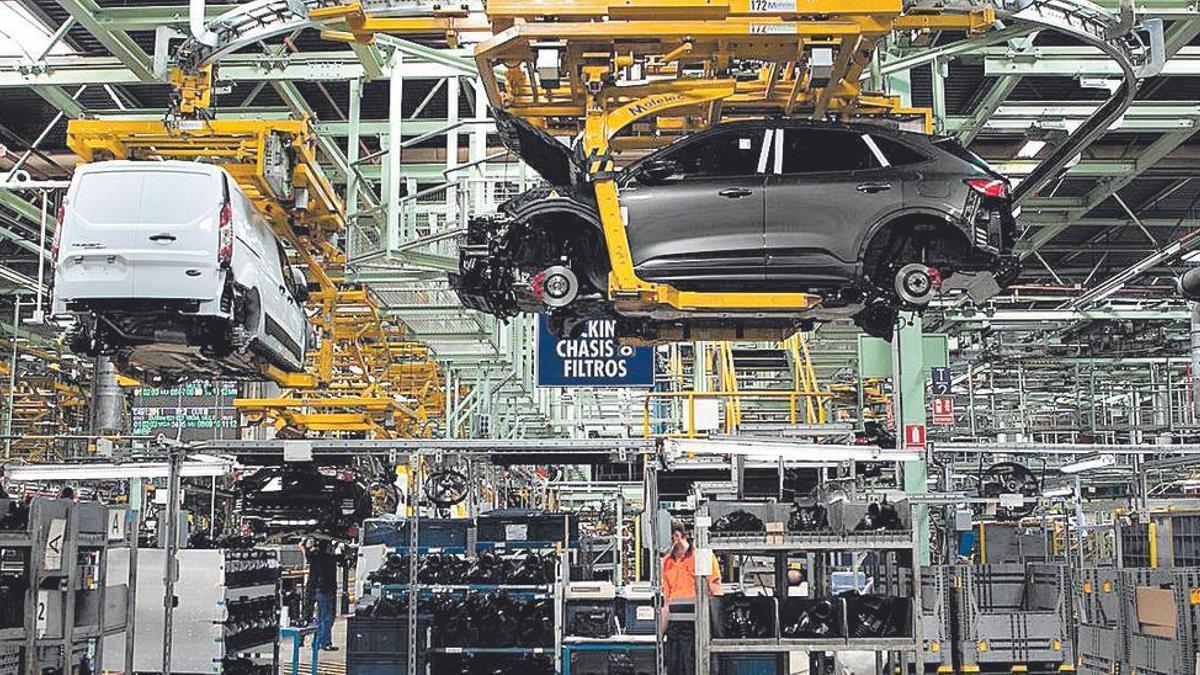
<point x="1053" y="493"/>
<point x="549" y="66"/>
<point x="1031" y="148"/>
<point x="1089" y="463"/>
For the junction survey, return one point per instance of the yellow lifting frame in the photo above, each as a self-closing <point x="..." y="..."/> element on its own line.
<point x="625" y="288"/>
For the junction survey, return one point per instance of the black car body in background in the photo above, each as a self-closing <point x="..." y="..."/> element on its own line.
<point x="871" y="219"/>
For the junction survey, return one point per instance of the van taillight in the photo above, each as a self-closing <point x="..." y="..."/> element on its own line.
<point x="989" y="187"/>
<point x="60" y="216"/>
<point x="225" y="237"/>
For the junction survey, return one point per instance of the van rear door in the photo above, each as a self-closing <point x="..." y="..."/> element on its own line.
<point x="95" y="238"/>
<point x="142" y="231"/>
<point x="173" y="248"/>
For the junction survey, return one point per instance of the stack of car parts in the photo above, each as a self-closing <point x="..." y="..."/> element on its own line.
<point x="240" y="665"/>
<point x="492" y="619"/>
<point x="251" y="622"/>
<point x="738" y="616"/>
<point x="491" y="664"/>
<point x="249" y="567"/>
<point x="810" y="517"/>
<point x="880" y="516"/>
<point x="738" y="522"/>
<point x="810" y="618"/>
<point x="877" y="616"/>
<point x="529" y="568"/>
<point x="14" y="514"/>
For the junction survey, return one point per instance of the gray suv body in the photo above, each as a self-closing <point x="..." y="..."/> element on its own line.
<point x="871" y="219"/>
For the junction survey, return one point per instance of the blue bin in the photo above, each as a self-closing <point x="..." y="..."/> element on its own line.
<point x="432" y="532"/>
<point x="747" y="664"/>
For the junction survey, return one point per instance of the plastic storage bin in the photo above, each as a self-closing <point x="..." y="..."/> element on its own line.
<point x="431" y="532"/>
<point x="523" y="525"/>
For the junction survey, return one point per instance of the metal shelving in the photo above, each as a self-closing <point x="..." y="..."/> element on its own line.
<point x="66" y="547"/>
<point x="904" y="581"/>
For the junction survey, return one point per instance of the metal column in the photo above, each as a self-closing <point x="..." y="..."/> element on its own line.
<point x="908" y="382"/>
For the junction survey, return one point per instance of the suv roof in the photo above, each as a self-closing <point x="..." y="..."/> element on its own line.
<point x="563" y="166"/>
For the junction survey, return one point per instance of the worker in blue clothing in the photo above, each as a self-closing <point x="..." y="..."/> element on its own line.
<point x="323" y="561"/>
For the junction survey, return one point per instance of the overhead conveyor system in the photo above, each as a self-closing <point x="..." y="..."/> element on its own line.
<point x="365" y="376"/>
<point x="638" y="74"/>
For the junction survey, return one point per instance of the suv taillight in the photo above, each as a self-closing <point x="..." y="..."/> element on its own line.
<point x="225" y="236"/>
<point x="988" y="187"/>
<point x="60" y="216"/>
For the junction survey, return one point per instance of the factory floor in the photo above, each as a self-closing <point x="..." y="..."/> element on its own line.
<point x="328" y="663"/>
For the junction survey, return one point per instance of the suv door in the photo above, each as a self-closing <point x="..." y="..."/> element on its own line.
<point x="704" y="222"/>
<point x="830" y="186"/>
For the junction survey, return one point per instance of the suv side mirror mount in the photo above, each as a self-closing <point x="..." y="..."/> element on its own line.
<point x="299" y="283"/>
<point x="658" y="170"/>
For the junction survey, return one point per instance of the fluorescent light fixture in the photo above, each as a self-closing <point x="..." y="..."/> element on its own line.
<point x="1191" y="256"/>
<point x="1058" y="492"/>
<point x="107" y="471"/>
<point x="1089" y="464"/>
<point x="1031" y="148"/>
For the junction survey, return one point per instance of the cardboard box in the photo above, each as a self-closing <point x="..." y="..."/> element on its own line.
<point x="1156" y="611"/>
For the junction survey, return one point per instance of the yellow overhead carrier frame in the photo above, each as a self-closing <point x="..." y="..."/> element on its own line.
<point x="637" y="73"/>
<point x="365" y="377"/>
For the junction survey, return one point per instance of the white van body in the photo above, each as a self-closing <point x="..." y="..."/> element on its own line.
<point x="139" y="264"/>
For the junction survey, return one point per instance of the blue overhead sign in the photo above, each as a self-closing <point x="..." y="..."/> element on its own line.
<point x="594" y="359"/>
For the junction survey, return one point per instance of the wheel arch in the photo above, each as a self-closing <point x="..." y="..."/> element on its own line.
<point x="575" y="221"/>
<point x="907" y="218"/>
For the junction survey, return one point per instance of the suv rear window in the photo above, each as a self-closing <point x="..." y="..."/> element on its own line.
<point x="145" y="197"/>
<point x="898" y="154"/>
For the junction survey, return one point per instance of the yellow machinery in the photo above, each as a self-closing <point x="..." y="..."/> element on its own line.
<point x="626" y="74"/>
<point x="364" y="377"/>
<point x="635" y="73"/>
<point x="49" y="400"/>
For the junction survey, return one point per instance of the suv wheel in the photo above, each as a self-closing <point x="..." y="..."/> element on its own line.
<point x="916" y="284"/>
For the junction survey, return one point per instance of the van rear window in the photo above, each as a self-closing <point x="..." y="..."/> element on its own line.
<point x="145" y="197"/>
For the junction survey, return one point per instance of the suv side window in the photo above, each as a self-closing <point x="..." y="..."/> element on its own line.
<point x="734" y="152"/>
<point x="812" y="151"/>
<point x="898" y="154"/>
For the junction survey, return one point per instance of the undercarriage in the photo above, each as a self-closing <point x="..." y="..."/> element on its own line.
<point x="163" y="345"/>
<point x="508" y="267"/>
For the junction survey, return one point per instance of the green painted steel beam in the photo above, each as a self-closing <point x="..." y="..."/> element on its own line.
<point x="371" y="58"/>
<point x="1076" y="61"/>
<point x="459" y="60"/>
<point x="1106" y="188"/>
<point x="1026" y="316"/>
<point x="29" y="212"/>
<point x="1087" y="167"/>
<point x="117" y="42"/>
<point x="1015" y="118"/>
<point x="987" y="106"/>
<point x="149" y="17"/>
<point x="60" y="99"/>
<point x="316" y="67"/>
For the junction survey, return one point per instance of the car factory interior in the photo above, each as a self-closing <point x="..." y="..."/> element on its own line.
<point x="600" y="337"/>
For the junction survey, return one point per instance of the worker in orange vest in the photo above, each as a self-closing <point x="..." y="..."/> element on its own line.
<point x="679" y="588"/>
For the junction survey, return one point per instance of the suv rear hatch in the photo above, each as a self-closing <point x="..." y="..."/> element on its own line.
<point x="141" y="230"/>
<point x="561" y="166"/>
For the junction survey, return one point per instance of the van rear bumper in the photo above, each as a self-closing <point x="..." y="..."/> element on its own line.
<point x="202" y="307"/>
